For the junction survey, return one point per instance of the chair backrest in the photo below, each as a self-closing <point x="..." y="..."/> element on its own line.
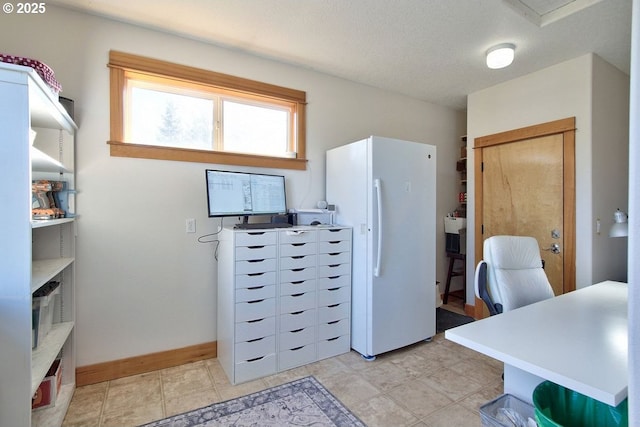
<point x="515" y="276"/>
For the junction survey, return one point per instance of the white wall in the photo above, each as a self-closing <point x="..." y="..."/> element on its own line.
<point x="583" y="87"/>
<point x="610" y="178"/>
<point x="143" y="285"/>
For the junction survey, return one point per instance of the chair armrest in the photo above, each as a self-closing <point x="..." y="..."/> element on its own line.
<point x="480" y="285"/>
<point x="480" y="279"/>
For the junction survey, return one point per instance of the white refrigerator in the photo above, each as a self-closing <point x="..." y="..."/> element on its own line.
<point x="386" y="190"/>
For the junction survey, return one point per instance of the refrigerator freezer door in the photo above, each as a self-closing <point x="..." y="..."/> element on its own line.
<point x="385" y="189"/>
<point x="402" y="302"/>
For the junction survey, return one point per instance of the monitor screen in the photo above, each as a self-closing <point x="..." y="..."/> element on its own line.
<point x="243" y="194"/>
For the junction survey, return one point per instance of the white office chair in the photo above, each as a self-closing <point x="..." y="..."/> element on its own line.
<point x="511" y="275"/>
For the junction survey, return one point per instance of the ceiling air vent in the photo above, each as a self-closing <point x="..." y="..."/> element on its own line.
<point x="543" y="12"/>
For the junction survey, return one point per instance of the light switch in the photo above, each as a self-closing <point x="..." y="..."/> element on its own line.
<point x="191" y="225"/>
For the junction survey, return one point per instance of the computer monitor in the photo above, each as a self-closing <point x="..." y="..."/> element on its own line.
<point x="244" y="194"/>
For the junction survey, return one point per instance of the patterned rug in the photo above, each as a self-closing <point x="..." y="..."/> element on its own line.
<point x="303" y="402"/>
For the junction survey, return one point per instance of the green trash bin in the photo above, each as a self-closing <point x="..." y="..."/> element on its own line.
<point x="557" y="406"/>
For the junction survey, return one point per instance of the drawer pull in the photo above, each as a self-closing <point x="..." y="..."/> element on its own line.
<point x="334" y="265"/>
<point x="255" y="301"/>
<point x="295" y="313"/>
<point x="255" y="359"/>
<point x="256" y="260"/>
<point x="297" y="348"/>
<point x="255" y="247"/>
<point x="256" y="339"/>
<point x="256" y="233"/>
<point x="333" y="339"/>
<point x="255" y="274"/>
<point x="332" y="322"/>
<point x="298" y="256"/>
<point x="334" y="230"/>
<point x="334" y="242"/>
<point x="334" y="254"/>
<point x="333" y="277"/>
<point x="295" y="331"/>
<point x="297" y="269"/>
<point x="253" y="288"/>
<point x="298" y="244"/>
<point x="297" y="295"/>
<point x="333" y="305"/>
<point x="255" y="321"/>
<point x="297" y="282"/>
<point x="333" y="289"/>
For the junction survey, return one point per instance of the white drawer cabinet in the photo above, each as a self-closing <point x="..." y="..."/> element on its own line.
<point x="247" y="304"/>
<point x="297" y="356"/>
<point x="297" y="287"/>
<point x="255" y="293"/>
<point x="284" y="298"/>
<point x="250" y="329"/>
<point x="297" y="274"/>
<point x="298" y="260"/>
<point x="255" y="310"/>
<point x="331" y="296"/>
<point x="333" y="346"/>
<point x="298" y="319"/>
<point x="255" y="279"/>
<point x="334" y="292"/>
<point x="334" y="312"/>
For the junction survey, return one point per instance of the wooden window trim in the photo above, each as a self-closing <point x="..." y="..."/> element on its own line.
<point x="120" y="62"/>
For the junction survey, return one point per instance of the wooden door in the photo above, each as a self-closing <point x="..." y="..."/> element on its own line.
<point x="525" y="186"/>
<point x="522" y="196"/>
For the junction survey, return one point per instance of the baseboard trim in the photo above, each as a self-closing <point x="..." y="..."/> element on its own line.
<point x="115" y="369"/>
<point x="470" y="310"/>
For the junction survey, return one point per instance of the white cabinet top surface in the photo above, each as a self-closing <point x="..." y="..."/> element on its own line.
<point x="577" y="340"/>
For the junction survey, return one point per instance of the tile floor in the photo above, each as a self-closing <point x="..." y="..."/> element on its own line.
<point x="428" y="384"/>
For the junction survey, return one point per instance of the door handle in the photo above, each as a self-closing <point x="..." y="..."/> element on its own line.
<point x="377" y="185"/>
<point x="554" y="248"/>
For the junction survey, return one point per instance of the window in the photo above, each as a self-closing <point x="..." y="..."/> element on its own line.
<point x="167" y="111"/>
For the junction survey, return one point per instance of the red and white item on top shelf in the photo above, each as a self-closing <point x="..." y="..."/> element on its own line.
<point x="43" y="70"/>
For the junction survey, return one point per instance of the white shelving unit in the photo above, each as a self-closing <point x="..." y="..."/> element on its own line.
<point x="34" y="252"/>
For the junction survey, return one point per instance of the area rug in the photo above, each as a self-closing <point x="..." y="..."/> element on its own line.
<point x="303" y="402"/>
<point x="446" y="319"/>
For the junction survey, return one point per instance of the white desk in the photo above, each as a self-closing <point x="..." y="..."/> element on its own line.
<point x="577" y="340"/>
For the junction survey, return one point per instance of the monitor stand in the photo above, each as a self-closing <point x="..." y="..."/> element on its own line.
<point x="245" y="225"/>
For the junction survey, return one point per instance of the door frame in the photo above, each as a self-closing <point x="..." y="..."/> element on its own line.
<point x="566" y="127"/>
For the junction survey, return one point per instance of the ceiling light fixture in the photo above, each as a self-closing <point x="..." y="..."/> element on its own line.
<point x="501" y="55"/>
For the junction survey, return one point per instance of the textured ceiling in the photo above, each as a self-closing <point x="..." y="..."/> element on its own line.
<point x="428" y="49"/>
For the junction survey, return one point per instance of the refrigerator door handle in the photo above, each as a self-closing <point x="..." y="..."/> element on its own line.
<point x="377" y="185"/>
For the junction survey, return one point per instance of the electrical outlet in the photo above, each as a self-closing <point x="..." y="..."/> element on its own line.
<point x="191" y="225"/>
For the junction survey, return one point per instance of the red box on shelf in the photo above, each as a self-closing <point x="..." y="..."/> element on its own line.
<point x="49" y="388"/>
